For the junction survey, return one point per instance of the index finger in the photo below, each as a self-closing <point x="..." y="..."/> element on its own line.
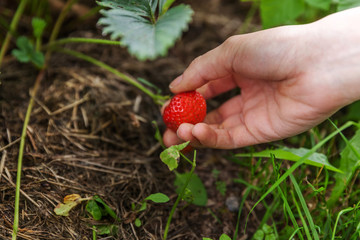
<point x="213" y="65"/>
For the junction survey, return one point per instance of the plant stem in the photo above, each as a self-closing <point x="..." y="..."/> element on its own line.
<point x="180" y="196"/>
<point x="40" y="76"/>
<point x="57" y="26"/>
<point x="82" y="40"/>
<point x="12" y="29"/>
<point x="157" y="98"/>
<point x="21" y="153"/>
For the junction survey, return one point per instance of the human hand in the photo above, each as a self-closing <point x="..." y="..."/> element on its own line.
<point x="291" y="79"/>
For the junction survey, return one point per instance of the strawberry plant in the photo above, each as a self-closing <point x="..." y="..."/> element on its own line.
<point x="146" y="27"/>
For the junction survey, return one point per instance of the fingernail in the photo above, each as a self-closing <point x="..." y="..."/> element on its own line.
<point x="176" y="82"/>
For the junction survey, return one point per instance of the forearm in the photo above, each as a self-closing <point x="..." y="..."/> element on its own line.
<point x="337" y="53"/>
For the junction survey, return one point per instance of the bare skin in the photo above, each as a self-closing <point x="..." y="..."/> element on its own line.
<point x="291" y="79"/>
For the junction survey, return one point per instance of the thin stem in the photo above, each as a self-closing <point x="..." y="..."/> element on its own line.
<point x="12" y="29"/>
<point x="180" y="196"/>
<point x="40" y="76"/>
<point x="157" y="98"/>
<point x="21" y="153"/>
<point x="57" y="26"/>
<point x="82" y="40"/>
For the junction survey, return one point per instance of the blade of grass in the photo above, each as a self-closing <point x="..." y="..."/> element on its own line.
<point x="300" y="162"/>
<point x="344" y="211"/>
<point x="290" y="213"/>
<point x="244" y="197"/>
<point x="305" y="208"/>
<point x="305" y="226"/>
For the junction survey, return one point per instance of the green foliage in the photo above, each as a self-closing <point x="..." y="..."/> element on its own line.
<point x="171" y="155"/>
<point x="146" y="35"/>
<point x="349" y="162"/>
<point x="266" y="233"/>
<point x="106" y="229"/>
<point x="295" y="154"/>
<point x="158" y="198"/>
<point x="346" y="4"/>
<point x="94" y="209"/>
<point x="279" y="12"/>
<point x="26" y="52"/>
<point x="38" y="25"/>
<point x="224" y="237"/>
<point x="195" y="186"/>
<point x="99" y="209"/>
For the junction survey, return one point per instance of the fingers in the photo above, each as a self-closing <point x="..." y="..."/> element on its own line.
<point x="204" y="135"/>
<point x="213" y="65"/>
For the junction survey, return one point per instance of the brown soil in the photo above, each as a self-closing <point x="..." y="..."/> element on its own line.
<point x="90" y="133"/>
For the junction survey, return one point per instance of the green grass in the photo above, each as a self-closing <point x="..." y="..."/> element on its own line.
<point x="296" y="195"/>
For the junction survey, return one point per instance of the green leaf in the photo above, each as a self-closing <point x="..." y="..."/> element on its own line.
<point x="294" y="154"/>
<point x="26" y="52"/>
<point x="106" y="229"/>
<point x="107" y="209"/>
<point x="143" y="207"/>
<point x="205" y="238"/>
<point x="346" y="4"/>
<point x="224" y="237"/>
<point x="137" y="222"/>
<point x="94" y="209"/>
<point x="171" y="155"/>
<point x="348" y="164"/>
<point x="70" y="201"/>
<point x="353" y="111"/>
<point x="143" y="35"/>
<point x="259" y="235"/>
<point x="158" y="198"/>
<point x="64" y="209"/>
<point x="38" y="25"/>
<point x="195" y="186"/>
<point x="143" y="8"/>
<point x="322" y="4"/>
<point x="279" y="12"/>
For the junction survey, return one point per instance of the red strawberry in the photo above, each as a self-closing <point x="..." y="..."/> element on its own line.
<point x="186" y="107"/>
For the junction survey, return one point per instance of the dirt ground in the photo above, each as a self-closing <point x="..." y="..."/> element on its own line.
<point x="90" y="133"/>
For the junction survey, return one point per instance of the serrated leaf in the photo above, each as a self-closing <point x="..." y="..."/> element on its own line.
<point x="144" y="37"/>
<point x="171" y="155"/>
<point x="279" y="12"/>
<point x="144" y="8"/>
<point x="348" y="164"/>
<point x="94" y="209"/>
<point x="38" y="25"/>
<point x="26" y="52"/>
<point x="158" y="198"/>
<point x="195" y="185"/>
<point x="346" y="4"/>
<point x="294" y="154"/>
